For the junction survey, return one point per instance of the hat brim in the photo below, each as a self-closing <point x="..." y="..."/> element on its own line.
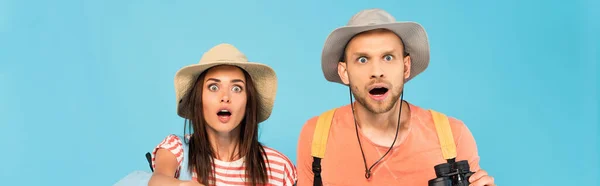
<point x="263" y="76"/>
<point x="413" y="36"/>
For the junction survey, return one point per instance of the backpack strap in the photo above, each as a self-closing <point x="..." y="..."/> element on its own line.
<point x="319" y="143"/>
<point x="321" y="133"/>
<point x="184" y="173"/>
<point x="149" y="159"/>
<point x="444" y="132"/>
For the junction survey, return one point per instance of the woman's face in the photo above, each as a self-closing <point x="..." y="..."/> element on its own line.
<point x="224" y="99"/>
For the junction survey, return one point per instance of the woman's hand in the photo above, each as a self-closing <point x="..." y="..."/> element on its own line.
<point x="190" y="183"/>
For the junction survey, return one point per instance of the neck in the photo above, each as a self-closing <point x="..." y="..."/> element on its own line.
<point x="383" y="125"/>
<point x="225" y="145"/>
<point x="386" y="121"/>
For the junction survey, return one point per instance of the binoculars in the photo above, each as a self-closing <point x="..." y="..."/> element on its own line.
<point x="452" y="174"/>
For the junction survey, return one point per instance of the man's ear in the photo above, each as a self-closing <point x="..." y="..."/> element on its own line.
<point x="343" y="72"/>
<point x="407" y="66"/>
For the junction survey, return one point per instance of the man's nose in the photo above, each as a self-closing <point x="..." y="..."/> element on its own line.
<point x="377" y="70"/>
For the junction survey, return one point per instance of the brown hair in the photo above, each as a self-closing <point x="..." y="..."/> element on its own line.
<point x="200" y="152"/>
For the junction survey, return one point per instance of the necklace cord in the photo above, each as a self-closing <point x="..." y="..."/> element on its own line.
<point x="368" y="170"/>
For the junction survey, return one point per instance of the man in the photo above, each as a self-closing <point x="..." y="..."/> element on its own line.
<point x="380" y="139"/>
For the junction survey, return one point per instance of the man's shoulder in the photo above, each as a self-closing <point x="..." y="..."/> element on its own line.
<point x="425" y="116"/>
<point x="310" y="124"/>
<point x="340" y="110"/>
<point x="454" y="122"/>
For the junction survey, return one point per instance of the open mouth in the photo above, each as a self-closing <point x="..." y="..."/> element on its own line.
<point x="378" y="91"/>
<point x="223" y="113"/>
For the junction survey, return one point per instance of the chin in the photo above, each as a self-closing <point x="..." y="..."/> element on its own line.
<point x="380" y="106"/>
<point x="222" y="127"/>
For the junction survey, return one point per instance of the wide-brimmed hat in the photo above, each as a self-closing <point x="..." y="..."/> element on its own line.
<point x="263" y="76"/>
<point x="413" y="36"/>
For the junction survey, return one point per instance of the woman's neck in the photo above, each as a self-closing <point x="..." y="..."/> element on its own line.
<point x="225" y="145"/>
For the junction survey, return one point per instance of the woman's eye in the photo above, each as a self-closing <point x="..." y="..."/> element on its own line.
<point x="388" y="57"/>
<point x="237" y="89"/>
<point x="213" y="87"/>
<point x="362" y="59"/>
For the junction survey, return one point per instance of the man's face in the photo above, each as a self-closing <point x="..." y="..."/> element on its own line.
<point x="375" y="69"/>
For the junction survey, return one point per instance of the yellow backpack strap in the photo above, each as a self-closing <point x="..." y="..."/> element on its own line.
<point x="444" y="132"/>
<point x="319" y="143"/>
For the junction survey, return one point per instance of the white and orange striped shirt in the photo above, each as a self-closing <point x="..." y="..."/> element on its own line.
<point x="280" y="170"/>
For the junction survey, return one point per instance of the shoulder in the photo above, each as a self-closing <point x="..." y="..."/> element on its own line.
<point x="458" y="127"/>
<point x="462" y="135"/>
<point x="309" y="126"/>
<point x="277" y="157"/>
<point x="466" y="147"/>
<point x="283" y="168"/>
<point x="170" y="141"/>
<point x="426" y="118"/>
<point x="173" y="144"/>
<point x="282" y="165"/>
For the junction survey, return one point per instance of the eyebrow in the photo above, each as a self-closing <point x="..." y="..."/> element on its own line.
<point x="218" y="80"/>
<point x="389" y="51"/>
<point x="359" y="54"/>
<point x="213" y="79"/>
<point x="237" y="81"/>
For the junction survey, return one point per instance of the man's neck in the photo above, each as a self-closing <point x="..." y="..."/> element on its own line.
<point x="381" y="128"/>
<point x="225" y="146"/>
<point x="382" y="121"/>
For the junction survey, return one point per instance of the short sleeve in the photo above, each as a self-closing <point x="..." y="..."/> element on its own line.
<point x="282" y="170"/>
<point x="291" y="175"/>
<point x="174" y="145"/>
<point x="466" y="147"/>
<point x="303" y="157"/>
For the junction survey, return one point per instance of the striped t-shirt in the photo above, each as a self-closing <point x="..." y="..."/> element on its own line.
<point x="280" y="170"/>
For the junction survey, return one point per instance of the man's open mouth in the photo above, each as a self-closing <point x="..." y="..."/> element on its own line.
<point x="378" y="91"/>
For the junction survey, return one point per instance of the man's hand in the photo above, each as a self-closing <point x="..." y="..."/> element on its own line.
<point x="481" y="178"/>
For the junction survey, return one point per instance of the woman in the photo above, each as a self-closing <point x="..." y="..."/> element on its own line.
<point x="223" y="98"/>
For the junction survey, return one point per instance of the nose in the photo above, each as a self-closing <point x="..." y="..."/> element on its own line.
<point x="376" y="70"/>
<point x="225" y="99"/>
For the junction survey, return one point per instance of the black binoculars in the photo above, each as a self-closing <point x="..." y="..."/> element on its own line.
<point x="452" y="174"/>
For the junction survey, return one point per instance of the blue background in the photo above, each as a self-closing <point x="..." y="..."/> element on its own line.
<point x="86" y="87"/>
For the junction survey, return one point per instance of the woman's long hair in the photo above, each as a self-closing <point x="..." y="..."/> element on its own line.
<point x="200" y="151"/>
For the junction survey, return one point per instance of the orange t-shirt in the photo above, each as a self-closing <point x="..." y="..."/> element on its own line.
<point x="410" y="162"/>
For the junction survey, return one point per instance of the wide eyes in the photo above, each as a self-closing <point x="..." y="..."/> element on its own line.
<point x="214" y="88"/>
<point x="237" y="88"/>
<point x="387" y="58"/>
<point x="362" y="59"/>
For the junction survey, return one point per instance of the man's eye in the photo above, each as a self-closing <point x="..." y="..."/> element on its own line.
<point x="388" y="57"/>
<point x="362" y="59"/>
<point x="213" y="87"/>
